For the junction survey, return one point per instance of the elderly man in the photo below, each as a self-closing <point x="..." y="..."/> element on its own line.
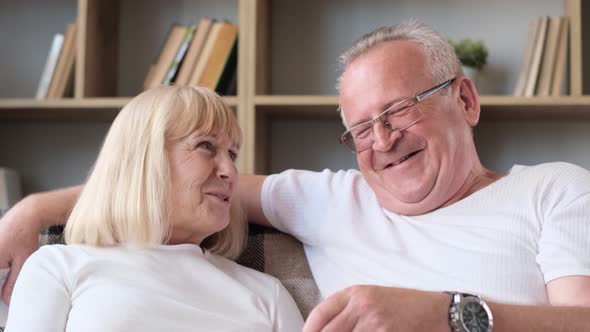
<point x="424" y="237"/>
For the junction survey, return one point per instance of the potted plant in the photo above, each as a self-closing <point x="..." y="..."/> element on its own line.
<point x="472" y="54"/>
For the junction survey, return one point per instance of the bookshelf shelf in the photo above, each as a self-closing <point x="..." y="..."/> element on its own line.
<point x="67" y="109"/>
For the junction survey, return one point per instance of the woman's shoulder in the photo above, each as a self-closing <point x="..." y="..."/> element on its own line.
<point x="60" y="255"/>
<point x="248" y="276"/>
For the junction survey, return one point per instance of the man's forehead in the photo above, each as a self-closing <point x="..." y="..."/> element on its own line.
<point x="380" y="77"/>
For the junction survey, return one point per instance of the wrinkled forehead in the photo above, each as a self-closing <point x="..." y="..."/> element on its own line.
<point x="386" y="73"/>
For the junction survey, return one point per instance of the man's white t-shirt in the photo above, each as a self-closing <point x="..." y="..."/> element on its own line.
<point x="503" y="242"/>
<point x="164" y="288"/>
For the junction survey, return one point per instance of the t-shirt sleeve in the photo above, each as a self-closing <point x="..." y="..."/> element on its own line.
<point x="287" y="317"/>
<point x="40" y="300"/>
<point x="564" y="246"/>
<point x="301" y="203"/>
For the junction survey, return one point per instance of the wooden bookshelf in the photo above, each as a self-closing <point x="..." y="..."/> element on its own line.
<point x="104" y="37"/>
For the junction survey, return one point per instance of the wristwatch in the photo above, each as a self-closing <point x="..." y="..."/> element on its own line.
<point x="469" y="313"/>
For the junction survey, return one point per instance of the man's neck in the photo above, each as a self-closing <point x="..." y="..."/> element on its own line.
<point x="479" y="178"/>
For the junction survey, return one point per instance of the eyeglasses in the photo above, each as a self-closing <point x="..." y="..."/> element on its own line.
<point x="399" y="116"/>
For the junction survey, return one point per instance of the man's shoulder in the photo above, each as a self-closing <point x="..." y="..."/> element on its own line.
<point x="552" y="169"/>
<point x="554" y="179"/>
<point x="318" y="177"/>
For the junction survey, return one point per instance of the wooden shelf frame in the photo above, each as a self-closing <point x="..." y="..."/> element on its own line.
<point x="68" y="109"/>
<point x="96" y="79"/>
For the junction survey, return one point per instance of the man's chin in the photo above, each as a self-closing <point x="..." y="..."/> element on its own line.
<point x="410" y="198"/>
<point x="410" y="208"/>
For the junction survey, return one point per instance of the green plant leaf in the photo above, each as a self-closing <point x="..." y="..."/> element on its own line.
<point x="471" y="53"/>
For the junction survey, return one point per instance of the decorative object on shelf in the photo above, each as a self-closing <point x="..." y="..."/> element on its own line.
<point x="473" y="56"/>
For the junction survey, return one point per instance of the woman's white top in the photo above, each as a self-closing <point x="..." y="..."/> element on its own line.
<point x="163" y="288"/>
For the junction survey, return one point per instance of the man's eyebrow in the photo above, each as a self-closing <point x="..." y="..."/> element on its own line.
<point x="385" y="106"/>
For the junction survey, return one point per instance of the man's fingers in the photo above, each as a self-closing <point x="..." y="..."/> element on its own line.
<point x="345" y="321"/>
<point x="327" y="310"/>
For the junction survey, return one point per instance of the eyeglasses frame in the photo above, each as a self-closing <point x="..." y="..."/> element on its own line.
<point x="416" y="99"/>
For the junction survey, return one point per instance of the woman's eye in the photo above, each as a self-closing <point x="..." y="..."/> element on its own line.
<point x="233" y="155"/>
<point x="205" y="145"/>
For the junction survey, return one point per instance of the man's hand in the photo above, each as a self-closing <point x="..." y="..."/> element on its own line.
<point x="375" y="308"/>
<point x="19" y="238"/>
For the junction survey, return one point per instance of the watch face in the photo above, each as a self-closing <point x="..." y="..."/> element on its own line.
<point x="474" y="317"/>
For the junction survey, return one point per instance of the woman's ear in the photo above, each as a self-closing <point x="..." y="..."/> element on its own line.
<point x="469" y="100"/>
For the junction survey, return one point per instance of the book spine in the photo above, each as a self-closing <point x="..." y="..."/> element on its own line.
<point x="50" y="64"/>
<point x="188" y="36"/>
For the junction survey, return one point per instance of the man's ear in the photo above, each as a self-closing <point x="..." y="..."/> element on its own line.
<point x="469" y="100"/>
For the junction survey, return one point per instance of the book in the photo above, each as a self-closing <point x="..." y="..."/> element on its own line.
<point x="205" y="53"/>
<point x="194" y="51"/>
<point x="180" y="54"/>
<point x="533" y="75"/>
<point x="167" y="54"/>
<point x="549" y="55"/>
<point x="227" y="82"/>
<point x="150" y="74"/>
<point x="561" y="58"/>
<point x="217" y="53"/>
<point x="49" y="67"/>
<point x="525" y="66"/>
<point x="65" y="64"/>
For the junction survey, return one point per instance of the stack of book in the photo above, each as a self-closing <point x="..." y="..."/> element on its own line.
<point x="202" y="55"/>
<point x="57" y="78"/>
<point x="543" y="67"/>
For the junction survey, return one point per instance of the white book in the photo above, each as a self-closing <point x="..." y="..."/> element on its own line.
<point x="10" y="189"/>
<point x="50" y="63"/>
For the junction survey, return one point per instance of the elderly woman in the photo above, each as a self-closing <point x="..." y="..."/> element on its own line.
<point x="149" y="233"/>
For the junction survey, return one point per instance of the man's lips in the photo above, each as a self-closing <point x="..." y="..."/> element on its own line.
<point x="402" y="159"/>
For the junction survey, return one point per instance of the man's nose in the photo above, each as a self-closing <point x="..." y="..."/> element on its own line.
<point x="384" y="137"/>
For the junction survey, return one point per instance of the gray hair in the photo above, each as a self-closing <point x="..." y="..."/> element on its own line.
<point x="441" y="61"/>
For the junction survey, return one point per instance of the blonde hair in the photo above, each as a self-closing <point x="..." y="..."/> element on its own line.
<point x="125" y="197"/>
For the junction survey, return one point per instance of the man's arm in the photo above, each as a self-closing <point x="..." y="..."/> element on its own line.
<point x="374" y="308"/>
<point x="19" y="228"/>
<point x="249" y="194"/>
